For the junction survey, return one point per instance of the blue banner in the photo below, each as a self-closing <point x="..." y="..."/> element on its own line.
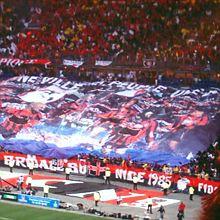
<point x="36" y="200"/>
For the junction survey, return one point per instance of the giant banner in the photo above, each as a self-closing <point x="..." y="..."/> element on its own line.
<point x="97" y="169"/>
<point x="55" y="118"/>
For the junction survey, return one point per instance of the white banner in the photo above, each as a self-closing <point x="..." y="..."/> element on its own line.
<point x="74" y="63"/>
<point x="103" y="62"/>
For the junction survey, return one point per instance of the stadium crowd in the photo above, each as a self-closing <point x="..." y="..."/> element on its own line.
<point x="172" y="34"/>
<point x="203" y="165"/>
<point x="184" y="32"/>
<point x="168" y="33"/>
<point x="140" y="76"/>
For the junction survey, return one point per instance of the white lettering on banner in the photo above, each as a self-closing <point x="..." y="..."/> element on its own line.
<point x="188" y="92"/>
<point x="74" y="167"/>
<point x="11" y="62"/>
<point x="47" y="80"/>
<point x="3" y="61"/>
<point x="120" y="174"/>
<point x="32" y="79"/>
<point x="128" y="175"/>
<point x="32" y="160"/>
<point x="17" y="62"/>
<point x="158" y="89"/>
<point x="126" y="85"/>
<point x="43" y="165"/>
<point x="54" y="80"/>
<point x="140" y="176"/>
<point x="52" y="166"/>
<point x="133" y="86"/>
<point x="206" y="188"/>
<point x="22" y="79"/>
<point x="14" y="62"/>
<point x="8" y="159"/>
<point x="59" y="82"/>
<point x="59" y="168"/>
<point x="20" y="162"/>
<point x="80" y="168"/>
<point x="154" y="179"/>
<point x="29" y="61"/>
<point x="67" y="85"/>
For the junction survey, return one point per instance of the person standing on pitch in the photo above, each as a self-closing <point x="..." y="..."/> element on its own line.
<point x="191" y="193"/>
<point x="107" y="175"/>
<point x="97" y="198"/>
<point x="20" y="182"/>
<point x="181" y="209"/>
<point x="31" y="163"/>
<point x="46" y="190"/>
<point x="162" y="212"/>
<point x="180" y="216"/>
<point x="119" y="200"/>
<point x="11" y="165"/>
<point x="165" y="187"/>
<point x="29" y="180"/>
<point x="135" y="181"/>
<point x="31" y="167"/>
<point x="68" y="172"/>
<point x="149" y="205"/>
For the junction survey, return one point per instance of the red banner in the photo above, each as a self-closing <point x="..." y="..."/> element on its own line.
<point x="84" y="167"/>
<point x="17" y="62"/>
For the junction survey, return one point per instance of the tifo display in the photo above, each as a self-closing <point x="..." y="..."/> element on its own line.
<point x="56" y="118"/>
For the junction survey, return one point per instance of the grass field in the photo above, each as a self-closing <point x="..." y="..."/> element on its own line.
<point x="20" y="212"/>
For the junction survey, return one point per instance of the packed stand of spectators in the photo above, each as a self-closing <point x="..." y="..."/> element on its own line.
<point x="204" y="165"/>
<point x="185" y="32"/>
<point x="137" y="75"/>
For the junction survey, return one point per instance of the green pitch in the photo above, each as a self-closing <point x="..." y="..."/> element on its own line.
<point x="20" y="212"/>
